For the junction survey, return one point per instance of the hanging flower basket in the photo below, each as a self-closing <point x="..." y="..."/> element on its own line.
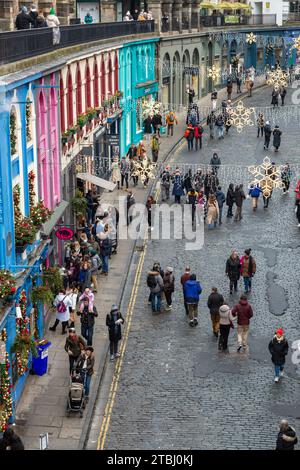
<point x="7" y="284"/>
<point x="25" y="232"/>
<point x="42" y="294"/>
<point x="81" y="120"/>
<point x="39" y="214"/>
<point x="23" y="344"/>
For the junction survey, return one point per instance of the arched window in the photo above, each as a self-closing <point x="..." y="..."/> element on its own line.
<point x="70" y="99"/>
<point x="62" y="105"/>
<point x="96" y="85"/>
<point x="110" y="88"/>
<point x="87" y="87"/>
<point x="116" y="78"/>
<point x="103" y="88"/>
<point x="78" y="92"/>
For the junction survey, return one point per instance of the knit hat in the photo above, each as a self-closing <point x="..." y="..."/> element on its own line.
<point x="224" y="308"/>
<point x="279" y="331"/>
<point x="114" y="308"/>
<point x="52" y="11"/>
<point x="169" y="269"/>
<point x="24" y="9"/>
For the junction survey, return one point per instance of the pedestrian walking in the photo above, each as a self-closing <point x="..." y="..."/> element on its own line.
<point x="282" y="95"/>
<point x="214" y="98"/>
<point x="286" y="176"/>
<point x="156" y="286"/>
<point x="229" y="89"/>
<point x="286" y="439"/>
<point x="192" y="291"/>
<point x="73" y="296"/>
<point x="188" y="181"/>
<point x="276" y="138"/>
<point x="171" y="120"/>
<point x="73" y="346"/>
<point x="114" y="320"/>
<point x="278" y="348"/>
<point x="149" y="204"/>
<point x="238" y="83"/>
<point x="191" y="95"/>
<point x="267" y="132"/>
<point x="212" y="211"/>
<point x="211" y="182"/>
<point x="215" y="163"/>
<point x="226" y="322"/>
<point x="192" y="196"/>
<point x="230" y="199"/>
<point x="169" y="286"/>
<point x="239" y="197"/>
<point x="211" y="121"/>
<point x="11" y="441"/>
<point x="23" y="19"/>
<point x="177" y="190"/>
<point x="63" y="304"/>
<point x="130" y="202"/>
<point x="125" y="171"/>
<point x="198" y="133"/>
<point x="248" y="269"/>
<point x="86" y="362"/>
<point x="87" y="320"/>
<point x="221" y="200"/>
<point x="198" y="180"/>
<point x="189" y="135"/>
<point x="53" y="22"/>
<point x="157" y="122"/>
<point x="274" y="101"/>
<point x="297" y="210"/>
<point x="233" y="271"/>
<point x="116" y="173"/>
<point x="260" y="124"/>
<point x="155" y="147"/>
<point x="165" y="184"/>
<point x="214" y="302"/>
<point x="243" y="311"/>
<point x="185" y="277"/>
<point x="254" y="193"/>
<point x="147" y="125"/>
<point x="249" y="84"/>
<point x="33" y="14"/>
<point x="220" y="126"/>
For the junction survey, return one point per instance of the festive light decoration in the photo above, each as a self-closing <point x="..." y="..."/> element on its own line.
<point x="5" y="389"/>
<point x="7" y="284"/>
<point x="250" y="38"/>
<point x="267" y="176"/>
<point x="144" y="169"/>
<point x="240" y="117"/>
<point x="296" y="44"/>
<point x="150" y="108"/>
<point x="22" y="328"/>
<point x="277" y="79"/>
<point x="214" y="73"/>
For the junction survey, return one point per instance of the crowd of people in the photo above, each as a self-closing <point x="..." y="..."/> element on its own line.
<point x="35" y="18"/>
<point x="138" y="16"/>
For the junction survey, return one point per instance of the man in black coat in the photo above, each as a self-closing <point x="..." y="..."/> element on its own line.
<point x="87" y="319"/>
<point x="10" y="441"/>
<point x="286" y="439"/>
<point x="278" y="348"/>
<point x="114" y="320"/>
<point x="23" y="20"/>
<point x="33" y="14"/>
<point x="214" y="302"/>
<point x="157" y="122"/>
<point x="239" y="197"/>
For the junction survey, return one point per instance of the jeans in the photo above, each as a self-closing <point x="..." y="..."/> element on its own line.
<point x="89" y="214"/>
<point x="233" y="284"/>
<point x="190" y="144"/>
<point x="170" y="129"/>
<point x="229" y="212"/>
<point x="220" y="131"/>
<point x="242" y="334"/>
<point x="266" y="201"/>
<point x="87" y="384"/>
<point x="267" y="141"/>
<point x="64" y="325"/>
<point x="155" y="301"/>
<point x="104" y="259"/>
<point x="238" y="213"/>
<point x="124" y="178"/>
<point x="87" y="333"/>
<point x="113" y="347"/>
<point x="215" y="320"/>
<point x="198" y="141"/>
<point x="223" y="338"/>
<point x="168" y="296"/>
<point x="260" y="130"/>
<point x="193" y="311"/>
<point x="220" y="215"/>
<point x="247" y="283"/>
<point x="278" y="369"/>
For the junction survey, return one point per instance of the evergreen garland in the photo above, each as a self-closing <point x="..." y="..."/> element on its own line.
<point x="5" y="390"/>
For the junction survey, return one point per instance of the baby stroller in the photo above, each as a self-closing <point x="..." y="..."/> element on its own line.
<point x="76" y="400"/>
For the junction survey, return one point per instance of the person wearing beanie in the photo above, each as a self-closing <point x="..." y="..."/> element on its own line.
<point x="243" y="311"/>
<point x="248" y="269"/>
<point x="214" y="302"/>
<point x="53" y="22"/>
<point x="33" y="14"/>
<point x="192" y="290"/>
<point x="114" y="320"/>
<point x="86" y="363"/>
<point x="278" y="348"/>
<point x="185" y="277"/>
<point x="23" y="19"/>
<point x="226" y="320"/>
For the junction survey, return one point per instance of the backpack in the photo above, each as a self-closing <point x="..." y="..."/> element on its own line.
<point x="171" y="118"/>
<point x="187" y="133"/>
<point x="61" y="307"/>
<point x="151" y="281"/>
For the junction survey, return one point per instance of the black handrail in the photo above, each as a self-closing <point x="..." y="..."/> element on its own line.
<point x="26" y="43"/>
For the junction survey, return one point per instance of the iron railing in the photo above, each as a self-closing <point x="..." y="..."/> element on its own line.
<point x="26" y="43"/>
<point x="215" y="20"/>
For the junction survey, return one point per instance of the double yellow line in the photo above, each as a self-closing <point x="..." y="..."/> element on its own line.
<point x="117" y="373"/>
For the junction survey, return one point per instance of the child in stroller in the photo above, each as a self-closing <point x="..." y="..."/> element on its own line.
<point x="76" y="400"/>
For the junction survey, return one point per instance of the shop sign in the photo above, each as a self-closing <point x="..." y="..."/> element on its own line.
<point x="64" y="233"/>
<point x="191" y="70"/>
<point x="99" y="132"/>
<point x="112" y="139"/>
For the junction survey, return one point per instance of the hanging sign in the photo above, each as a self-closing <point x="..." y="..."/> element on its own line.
<point x="113" y="139"/>
<point x="64" y="233"/>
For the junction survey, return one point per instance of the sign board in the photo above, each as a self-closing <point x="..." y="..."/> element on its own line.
<point x="113" y="139"/>
<point x="2" y="352"/>
<point x="100" y="132"/>
<point x="191" y="70"/>
<point x="44" y="441"/>
<point x="231" y="19"/>
<point x="64" y="233"/>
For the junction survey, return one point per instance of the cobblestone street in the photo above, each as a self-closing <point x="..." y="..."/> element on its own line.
<point x="176" y="390"/>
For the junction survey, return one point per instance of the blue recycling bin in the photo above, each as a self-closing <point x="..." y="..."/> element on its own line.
<point x="40" y="363"/>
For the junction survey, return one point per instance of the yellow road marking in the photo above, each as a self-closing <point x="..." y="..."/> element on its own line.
<point x="115" y="383"/>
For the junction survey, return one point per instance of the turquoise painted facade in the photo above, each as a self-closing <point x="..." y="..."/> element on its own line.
<point x="137" y="82"/>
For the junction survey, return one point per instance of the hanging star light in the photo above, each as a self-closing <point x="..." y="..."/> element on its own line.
<point x="240" y="117"/>
<point x="251" y="38"/>
<point x="213" y="73"/>
<point x="144" y="169"/>
<point x="149" y="108"/>
<point x="277" y="79"/>
<point x="266" y="176"/>
<point x="296" y="44"/>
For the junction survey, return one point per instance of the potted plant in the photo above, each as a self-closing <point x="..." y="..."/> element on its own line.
<point x="119" y="94"/>
<point x="99" y="110"/>
<point x="7" y="284"/>
<point x="24" y="344"/>
<point x="42" y="294"/>
<point x="64" y="137"/>
<point x="91" y="113"/>
<point x="79" y="203"/>
<point x="25" y="233"/>
<point x="81" y="120"/>
<point x="39" y="214"/>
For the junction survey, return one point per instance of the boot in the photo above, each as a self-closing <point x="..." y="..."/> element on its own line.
<point x="53" y="328"/>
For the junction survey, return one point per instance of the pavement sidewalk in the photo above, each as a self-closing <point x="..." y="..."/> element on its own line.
<point x="43" y="403"/>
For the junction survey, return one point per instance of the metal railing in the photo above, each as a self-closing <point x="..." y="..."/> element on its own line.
<point x="292" y="16"/>
<point x="26" y="43"/>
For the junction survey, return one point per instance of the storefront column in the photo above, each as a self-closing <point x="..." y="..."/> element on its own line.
<point x="189" y="11"/>
<point x="196" y="13"/>
<point x="108" y="11"/>
<point x="155" y="7"/>
<point x="178" y="13"/>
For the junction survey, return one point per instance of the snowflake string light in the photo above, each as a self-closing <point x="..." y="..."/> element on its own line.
<point x="296" y="44"/>
<point x="150" y="108"/>
<point x="267" y="176"/>
<point x="251" y="38"/>
<point x="144" y="169"/>
<point x="214" y="73"/>
<point x="277" y="79"/>
<point x="240" y="117"/>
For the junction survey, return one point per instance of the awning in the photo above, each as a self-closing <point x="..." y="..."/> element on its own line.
<point x="57" y="214"/>
<point x="97" y="181"/>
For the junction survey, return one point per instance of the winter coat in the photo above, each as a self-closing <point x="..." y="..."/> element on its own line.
<point x="187" y="182"/>
<point x="192" y="290"/>
<point x="274" y="98"/>
<point x="105" y="244"/>
<point x="34" y="15"/>
<point x="278" y="349"/>
<point x="63" y="316"/>
<point x="239" y="197"/>
<point x="214" y="302"/>
<point x="243" y="311"/>
<point x="283" y="93"/>
<point x="198" y="132"/>
<point x="185" y="277"/>
<point x="159" y="282"/>
<point x="267" y="130"/>
<point x="90" y="362"/>
<point x="219" y="121"/>
<point x="255" y="192"/>
<point x="88" y="19"/>
<point x="276" y="137"/>
<point x="156" y="120"/>
<point x="14" y="443"/>
<point x="177" y="186"/>
<point x="88" y="317"/>
<point x="85" y="278"/>
<point x="286" y="440"/>
<point x="212" y="212"/>
<point x="148" y="125"/>
<point x="169" y="281"/>
<point x="220" y="198"/>
<point x="116" y="174"/>
<point x="233" y="268"/>
<point x="225" y="315"/>
<point x="230" y="197"/>
<point x="52" y="21"/>
<point x="75" y="346"/>
<point x="248" y="266"/>
<point x="114" y="331"/>
<point x="260" y="122"/>
<point x="215" y="161"/>
<point x="171" y="119"/>
<point x="125" y="167"/>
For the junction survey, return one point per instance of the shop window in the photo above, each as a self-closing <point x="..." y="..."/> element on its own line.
<point x="110" y="87"/>
<point x="103" y="88"/>
<point x="128" y="129"/>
